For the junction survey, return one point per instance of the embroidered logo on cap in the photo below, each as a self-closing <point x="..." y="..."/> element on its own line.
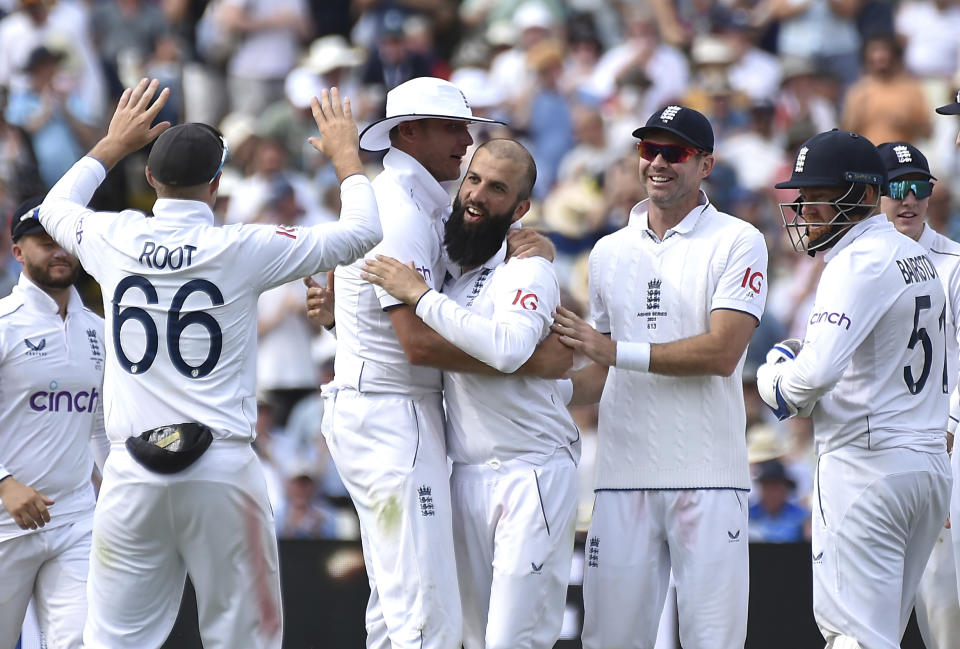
<point x="903" y="154"/>
<point x="801" y="160"/>
<point x="669" y="113"/>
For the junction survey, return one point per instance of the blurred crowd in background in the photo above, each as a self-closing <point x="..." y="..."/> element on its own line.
<point x="570" y="79"/>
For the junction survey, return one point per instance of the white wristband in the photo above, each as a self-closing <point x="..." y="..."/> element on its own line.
<point x="633" y="356"/>
<point x="565" y="386"/>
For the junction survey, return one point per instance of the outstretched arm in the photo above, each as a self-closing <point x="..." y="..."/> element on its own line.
<point x="717" y="352"/>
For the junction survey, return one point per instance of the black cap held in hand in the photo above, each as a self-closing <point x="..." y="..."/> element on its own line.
<point x="187" y="155"/>
<point x="689" y="124"/>
<point x="24" y="219"/>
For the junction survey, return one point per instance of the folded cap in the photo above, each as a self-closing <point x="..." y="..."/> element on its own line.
<point x="25" y="219"/>
<point x="902" y="158"/>
<point x="689" y="124"/>
<point x="420" y="98"/>
<point x="187" y="155"/>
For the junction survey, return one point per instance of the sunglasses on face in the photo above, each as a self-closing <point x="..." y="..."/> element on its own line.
<point x="898" y="189"/>
<point x="672" y="153"/>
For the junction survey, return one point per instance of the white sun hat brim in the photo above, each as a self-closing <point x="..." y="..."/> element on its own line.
<point x="420" y="98"/>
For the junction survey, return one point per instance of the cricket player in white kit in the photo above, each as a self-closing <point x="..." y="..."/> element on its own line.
<point x="872" y="374"/>
<point x="52" y="358"/>
<point x="383" y="414"/>
<point x="512" y="441"/>
<point x="909" y="186"/>
<point x="183" y="492"/>
<point x="675" y="296"/>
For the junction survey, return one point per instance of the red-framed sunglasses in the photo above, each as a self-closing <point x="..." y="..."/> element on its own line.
<point x="672" y="153"/>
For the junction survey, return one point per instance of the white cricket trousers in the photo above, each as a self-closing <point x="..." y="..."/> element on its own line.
<point x="937" y="605"/>
<point x="513" y="529"/>
<point x="389" y="450"/>
<point x="212" y="521"/>
<point x="876" y="516"/>
<point x="50" y="565"/>
<point x="636" y="537"/>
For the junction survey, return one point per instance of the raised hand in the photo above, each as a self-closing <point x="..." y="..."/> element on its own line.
<point x="131" y="127"/>
<point x="339" y="139"/>
<point x="401" y="281"/>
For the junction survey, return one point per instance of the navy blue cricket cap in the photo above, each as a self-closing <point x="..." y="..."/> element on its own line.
<point x="187" y="154"/>
<point x="951" y="109"/>
<point x="902" y="158"/>
<point x="687" y="123"/>
<point x="24" y="219"/>
<point x="835" y="158"/>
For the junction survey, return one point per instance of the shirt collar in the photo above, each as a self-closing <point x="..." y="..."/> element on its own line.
<point x="417" y="178"/>
<point x="927" y="236"/>
<point x="640" y="214"/>
<point x="875" y="222"/>
<point x="183" y="210"/>
<point x="41" y="300"/>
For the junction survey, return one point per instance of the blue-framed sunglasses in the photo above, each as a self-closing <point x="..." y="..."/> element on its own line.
<point x="898" y="189"/>
<point x="223" y="158"/>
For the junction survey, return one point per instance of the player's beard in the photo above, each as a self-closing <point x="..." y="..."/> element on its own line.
<point x="471" y="244"/>
<point x="43" y="278"/>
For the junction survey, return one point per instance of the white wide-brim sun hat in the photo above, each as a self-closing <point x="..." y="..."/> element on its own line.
<point x="420" y="98"/>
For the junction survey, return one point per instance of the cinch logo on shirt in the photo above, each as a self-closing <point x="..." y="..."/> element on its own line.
<point x="832" y="318"/>
<point x="64" y="400"/>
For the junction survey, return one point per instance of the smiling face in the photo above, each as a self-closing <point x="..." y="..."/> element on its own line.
<point x="438" y="144"/>
<point x="674" y="187"/>
<point x="491" y="197"/>
<point x="907" y="215"/>
<point x="47" y="264"/>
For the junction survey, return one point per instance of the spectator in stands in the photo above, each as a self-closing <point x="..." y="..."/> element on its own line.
<point x="391" y="62"/>
<point x="887" y="104"/>
<point x="272" y="31"/>
<point x="303" y="513"/>
<point x="61" y="126"/>
<point x="931" y="32"/>
<point x="774" y="519"/>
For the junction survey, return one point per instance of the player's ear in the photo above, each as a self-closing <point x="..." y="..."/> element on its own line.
<point x="522" y="208"/>
<point x="215" y="185"/>
<point x="150" y="179"/>
<point x="706" y="164"/>
<point x="17" y="252"/>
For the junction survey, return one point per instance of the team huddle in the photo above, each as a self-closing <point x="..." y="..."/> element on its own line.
<point x="447" y="417"/>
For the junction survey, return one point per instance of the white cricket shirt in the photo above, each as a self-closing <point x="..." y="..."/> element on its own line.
<point x="873" y="356"/>
<point x="180" y="297"/>
<point x="51" y="401"/>
<point x="945" y="255"/>
<point x="498" y="313"/>
<point x="674" y="432"/>
<point x="370" y="358"/>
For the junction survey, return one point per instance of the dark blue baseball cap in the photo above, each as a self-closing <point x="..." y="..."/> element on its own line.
<point x="902" y="158"/>
<point x="687" y="123"/>
<point x="25" y="219"/>
<point x="187" y="154"/>
<point x="835" y="158"/>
